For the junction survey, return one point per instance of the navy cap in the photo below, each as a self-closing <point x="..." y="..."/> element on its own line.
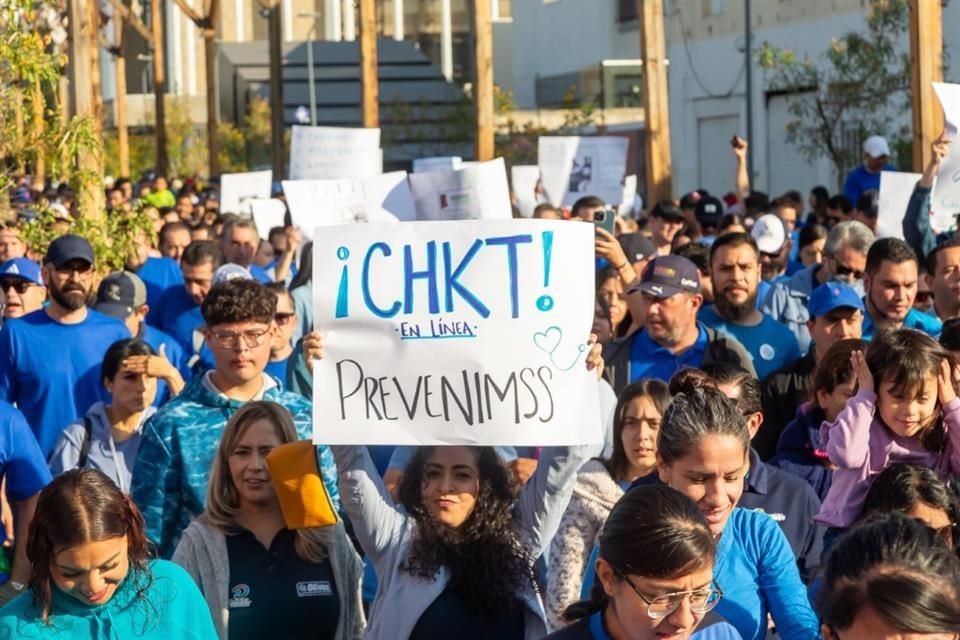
<point x="120" y="294"/>
<point x="669" y="275"/>
<point x="22" y="268"/>
<point x="666" y="210"/>
<point x="830" y="296"/>
<point x="637" y="247"/>
<point x="67" y="248"/>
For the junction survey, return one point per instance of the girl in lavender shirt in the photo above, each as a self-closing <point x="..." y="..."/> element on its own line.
<point x="906" y="410"/>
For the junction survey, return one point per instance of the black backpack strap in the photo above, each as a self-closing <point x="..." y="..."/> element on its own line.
<point x="87" y="440"/>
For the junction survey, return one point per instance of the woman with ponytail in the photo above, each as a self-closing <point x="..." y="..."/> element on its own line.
<point x="92" y="578"/>
<point x="641" y="595"/>
<point x="261" y="579"/>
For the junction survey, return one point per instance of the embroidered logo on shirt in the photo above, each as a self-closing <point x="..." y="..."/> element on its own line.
<point x="767" y="352"/>
<point x="240" y="597"/>
<point x="313" y="588"/>
<point x="777" y="517"/>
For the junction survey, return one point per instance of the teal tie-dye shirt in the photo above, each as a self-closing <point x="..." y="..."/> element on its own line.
<point x="177" y="452"/>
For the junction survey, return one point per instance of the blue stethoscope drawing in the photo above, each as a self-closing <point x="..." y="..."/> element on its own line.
<point x="549" y="341"/>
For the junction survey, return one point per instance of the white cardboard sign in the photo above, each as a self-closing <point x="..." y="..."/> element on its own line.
<point x="236" y="188"/>
<point x="573" y="166"/>
<point x="945" y="200"/>
<point x="334" y="152"/>
<point x="475" y="192"/>
<point x="470" y="332"/>
<point x="320" y="203"/>
<point x="523" y="180"/>
<point x="895" y="190"/>
<point x="267" y="213"/>
<point x="439" y="163"/>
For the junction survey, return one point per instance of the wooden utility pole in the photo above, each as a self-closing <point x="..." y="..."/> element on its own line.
<point x="483" y="85"/>
<point x="159" y="84"/>
<point x="370" y="90"/>
<point x="276" y="87"/>
<point x="207" y="24"/>
<point x="659" y="169"/>
<point x="120" y="101"/>
<point x="926" y="55"/>
<point x="83" y="69"/>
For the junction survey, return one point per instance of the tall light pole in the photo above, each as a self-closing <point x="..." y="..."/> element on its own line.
<point x="311" y="80"/>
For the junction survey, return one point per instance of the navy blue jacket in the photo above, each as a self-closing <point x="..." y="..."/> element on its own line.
<point x="800" y="452"/>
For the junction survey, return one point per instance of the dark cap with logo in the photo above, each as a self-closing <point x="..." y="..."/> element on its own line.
<point x="669" y="275"/>
<point x="67" y="248"/>
<point x="120" y="294"/>
<point x="667" y="210"/>
<point x="637" y="247"/>
<point x="709" y="211"/>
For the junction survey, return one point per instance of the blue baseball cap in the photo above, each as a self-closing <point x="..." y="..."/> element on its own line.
<point x="67" y="248"/>
<point x="22" y="268"/>
<point x="830" y="296"/>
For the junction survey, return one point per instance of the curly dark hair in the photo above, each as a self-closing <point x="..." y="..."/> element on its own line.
<point x="77" y="507"/>
<point x="239" y="300"/>
<point x="488" y="565"/>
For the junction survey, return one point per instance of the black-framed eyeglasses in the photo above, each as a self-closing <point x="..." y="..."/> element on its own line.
<point x="282" y="318"/>
<point x="659" y="607"/>
<point x="19" y="285"/>
<point x="230" y="339"/>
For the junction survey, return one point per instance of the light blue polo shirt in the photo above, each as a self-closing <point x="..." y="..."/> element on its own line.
<point x="915" y="320"/>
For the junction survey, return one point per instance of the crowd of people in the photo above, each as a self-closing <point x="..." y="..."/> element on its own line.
<point x="778" y="397"/>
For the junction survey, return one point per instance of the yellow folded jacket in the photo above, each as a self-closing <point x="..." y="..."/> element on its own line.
<point x="303" y="497"/>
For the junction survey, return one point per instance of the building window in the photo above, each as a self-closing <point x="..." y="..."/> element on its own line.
<point x="626" y="11"/>
<point x="713" y="7"/>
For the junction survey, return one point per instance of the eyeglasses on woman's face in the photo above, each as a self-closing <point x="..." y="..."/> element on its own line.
<point x="659" y="607"/>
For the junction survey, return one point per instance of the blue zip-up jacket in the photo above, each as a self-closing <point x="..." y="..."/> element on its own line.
<point x="800" y="451"/>
<point x="170" y="607"/>
<point x="178" y="449"/>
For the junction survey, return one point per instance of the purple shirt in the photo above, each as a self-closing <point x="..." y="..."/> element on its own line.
<point x="862" y="446"/>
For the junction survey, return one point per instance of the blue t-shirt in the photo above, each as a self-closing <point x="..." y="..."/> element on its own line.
<point x="278" y="369"/>
<point x="260" y="274"/>
<point x="159" y="275"/>
<point x="51" y="371"/>
<point x="175" y="354"/>
<point x="650" y="360"/>
<point x="916" y="319"/>
<point x="770" y="344"/>
<point x="21" y="461"/>
<point x="860" y="180"/>
<point x="181" y="318"/>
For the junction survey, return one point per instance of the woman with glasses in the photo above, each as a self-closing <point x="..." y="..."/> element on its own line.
<point x="892" y="578"/>
<point x="281" y="344"/>
<point x="703" y="451"/>
<point x="641" y="595"/>
<point x="915" y="491"/>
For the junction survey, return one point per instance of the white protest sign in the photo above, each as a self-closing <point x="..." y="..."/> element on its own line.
<point x="469" y="333"/>
<point x="523" y="180"/>
<point x="572" y="167"/>
<point x="267" y="213"/>
<point x="440" y="163"/>
<point x="235" y="188"/>
<point x="477" y="192"/>
<point x="895" y="190"/>
<point x="320" y="203"/>
<point x="334" y="152"/>
<point x="629" y="199"/>
<point x="945" y="200"/>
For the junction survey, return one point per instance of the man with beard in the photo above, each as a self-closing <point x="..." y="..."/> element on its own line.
<point x="50" y="359"/>
<point x="890" y="283"/>
<point x="735" y="272"/>
<point x="672" y="339"/>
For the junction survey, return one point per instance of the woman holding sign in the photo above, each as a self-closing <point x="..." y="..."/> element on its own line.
<point x="459" y="563"/>
<point x="703" y="451"/>
<point x="260" y="578"/>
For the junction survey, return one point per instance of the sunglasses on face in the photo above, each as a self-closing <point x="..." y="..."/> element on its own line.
<point x="842" y="270"/>
<point x="283" y="318"/>
<point x="19" y="285"/>
<point x="82" y="268"/>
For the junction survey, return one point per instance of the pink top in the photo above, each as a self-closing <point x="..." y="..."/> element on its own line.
<point x="862" y="446"/>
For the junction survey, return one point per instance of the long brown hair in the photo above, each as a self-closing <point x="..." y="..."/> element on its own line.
<point x="223" y="499"/>
<point x="659" y="395"/>
<point x="77" y="507"/>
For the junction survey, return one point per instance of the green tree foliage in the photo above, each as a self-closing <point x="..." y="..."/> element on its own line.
<point x="860" y="84"/>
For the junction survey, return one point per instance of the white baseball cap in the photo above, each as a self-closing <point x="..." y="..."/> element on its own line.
<point x="876" y="147"/>
<point x="769" y="233"/>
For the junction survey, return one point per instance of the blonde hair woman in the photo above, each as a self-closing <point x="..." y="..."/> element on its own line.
<point x="260" y="578"/>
